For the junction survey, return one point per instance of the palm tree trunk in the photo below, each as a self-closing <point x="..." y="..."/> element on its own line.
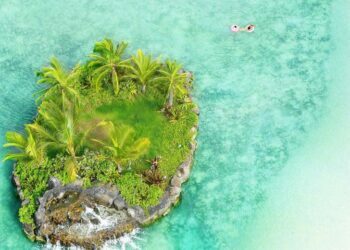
<point x="71" y="166"/>
<point x="115" y="81"/>
<point x="143" y="88"/>
<point x="119" y="168"/>
<point x="71" y="151"/>
<point x="97" y="87"/>
<point x="171" y="98"/>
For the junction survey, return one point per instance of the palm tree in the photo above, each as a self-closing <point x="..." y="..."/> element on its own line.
<point x="142" y="69"/>
<point x="106" y="61"/>
<point x="122" y="145"/>
<point x="59" y="81"/>
<point x="175" y="80"/>
<point x="27" y="146"/>
<point x="58" y="129"/>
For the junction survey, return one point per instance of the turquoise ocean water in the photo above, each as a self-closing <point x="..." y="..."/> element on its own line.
<point x="271" y="168"/>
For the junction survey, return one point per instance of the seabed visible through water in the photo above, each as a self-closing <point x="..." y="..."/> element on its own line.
<point x="272" y="168"/>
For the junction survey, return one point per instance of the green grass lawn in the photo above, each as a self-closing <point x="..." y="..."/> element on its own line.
<point x="169" y="140"/>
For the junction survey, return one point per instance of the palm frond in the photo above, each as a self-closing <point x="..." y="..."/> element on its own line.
<point x="27" y="147"/>
<point x="106" y="61"/>
<point x="123" y="133"/>
<point x="142" y="68"/>
<point x="42" y="132"/>
<point x="15" y="156"/>
<point x="15" y="139"/>
<point x="139" y="148"/>
<point x="59" y="80"/>
<point x="121" y="47"/>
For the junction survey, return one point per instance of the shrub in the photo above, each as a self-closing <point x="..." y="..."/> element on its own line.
<point x="26" y="213"/>
<point x="136" y="192"/>
<point x="95" y="167"/>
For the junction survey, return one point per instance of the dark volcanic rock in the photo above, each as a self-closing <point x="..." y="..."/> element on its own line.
<point x="137" y="214"/>
<point x="53" y="182"/>
<point x="28" y="230"/>
<point x="119" y="203"/>
<point x="104" y="195"/>
<point x="176" y="181"/>
<point x="75" y="216"/>
<point x="15" y="181"/>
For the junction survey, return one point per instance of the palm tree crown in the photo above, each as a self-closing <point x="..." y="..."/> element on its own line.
<point x="59" y="131"/>
<point x="27" y="146"/>
<point x="142" y="68"/>
<point x="175" y="80"/>
<point x="106" y="62"/>
<point x="59" y="80"/>
<point x="122" y="144"/>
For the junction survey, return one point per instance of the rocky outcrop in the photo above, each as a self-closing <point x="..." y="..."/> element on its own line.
<point x="85" y="217"/>
<point x="53" y="183"/>
<point x="88" y="217"/>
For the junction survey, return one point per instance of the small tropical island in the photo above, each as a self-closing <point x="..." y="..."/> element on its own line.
<point x="109" y="149"/>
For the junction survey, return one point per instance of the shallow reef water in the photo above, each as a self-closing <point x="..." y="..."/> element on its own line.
<point x="260" y="94"/>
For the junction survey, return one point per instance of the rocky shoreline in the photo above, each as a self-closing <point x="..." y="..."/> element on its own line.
<point x="72" y="215"/>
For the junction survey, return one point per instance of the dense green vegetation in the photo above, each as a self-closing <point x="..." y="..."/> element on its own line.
<point x="106" y="121"/>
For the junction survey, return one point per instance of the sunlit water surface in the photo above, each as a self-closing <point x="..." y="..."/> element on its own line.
<point x="264" y="98"/>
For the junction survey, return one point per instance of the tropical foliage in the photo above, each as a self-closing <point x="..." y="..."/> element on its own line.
<point x="58" y="81"/>
<point x="121" y="145"/>
<point x="175" y="80"/>
<point x="28" y="148"/>
<point x="58" y="130"/>
<point x="97" y="123"/>
<point x="106" y="63"/>
<point x="142" y="69"/>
